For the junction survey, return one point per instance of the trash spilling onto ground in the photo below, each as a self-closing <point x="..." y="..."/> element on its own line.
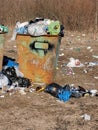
<point x="11" y="78"/>
<point x="38" y="27"/>
<point x="67" y="91"/>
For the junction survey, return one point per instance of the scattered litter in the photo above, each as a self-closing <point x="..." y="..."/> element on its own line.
<point x="11" y="93"/>
<point x="40" y="88"/>
<point x="74" y="63"/>
<point x="83" y="35"/>
<point x="62" y="54"/>
<point x="69" y="71"/>
<point x="93" y="92"/>
<point x="22" y="92"/>
<point x="12" y="80"/>
<point x="64" y="93"/>
<point x="2" y="96"/>
<point x="85" y="71"/>
<point x="96" y="77"/>
<point x="91" y="50"/>
<point x="57" y="68"/>
<point x="89" y="47"/>
<point x="94" y="56"/>
<point x="92" y="64"/>
<point x="3" y="80"/>
<point x="31" y="90"/>
<point x="86" y="117"/>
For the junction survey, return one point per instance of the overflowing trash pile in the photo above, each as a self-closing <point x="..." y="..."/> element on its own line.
<point x="3" y="28"/>
<point x="39" y="27"/>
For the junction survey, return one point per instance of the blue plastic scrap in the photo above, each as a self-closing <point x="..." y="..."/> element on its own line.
<point x="7" y="61"/>
<point x="12" y="63"/>
<point x="66" y="92"/>
<point x="64" y="95"/>
<point x="22" y="30"/>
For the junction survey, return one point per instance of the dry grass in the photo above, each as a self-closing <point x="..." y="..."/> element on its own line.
<point x="74" y="14"/>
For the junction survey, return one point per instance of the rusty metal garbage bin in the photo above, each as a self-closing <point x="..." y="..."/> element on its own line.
<point x="37" y="56"/>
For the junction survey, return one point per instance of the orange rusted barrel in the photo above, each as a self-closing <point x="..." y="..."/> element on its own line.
<point x="37" y="56"/>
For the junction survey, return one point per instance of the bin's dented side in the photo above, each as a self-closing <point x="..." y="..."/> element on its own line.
<point x="37" y="57"/>
<point x="1" y="49"/>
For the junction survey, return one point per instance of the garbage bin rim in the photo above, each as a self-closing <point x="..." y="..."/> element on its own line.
<point x="3" y="32"/>
<point x="38" y="36"/>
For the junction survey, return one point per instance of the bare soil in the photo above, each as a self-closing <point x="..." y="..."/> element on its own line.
<point x="41" y="111"/>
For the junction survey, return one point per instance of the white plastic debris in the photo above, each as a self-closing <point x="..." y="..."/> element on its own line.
<point x="2" y="96"/>
<point x="3" y="80"/>
<point x="93" y="92"/>
<point x="89" y="47"/>
<point x="85" y="71"/>
<point x="74" y="63"/>
<point x="37" y="29"/>
<point x="22" y="91"/>
<point x="62" y="54"/>
<point x="15" y="84"/>
<point x="17" y="26"/>
<point x="57" y="68"/>
<point x="95" y="77"/>
<point x="93" y="64"/>
<point x="31" y="90"/>
<point x="94" y="56"/>
<point x="83" y="35"/>
<point x="91" y="50"/>
<point x="86" y="117"/>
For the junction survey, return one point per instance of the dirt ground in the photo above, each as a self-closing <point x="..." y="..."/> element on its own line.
<point x="41" y="111"/>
